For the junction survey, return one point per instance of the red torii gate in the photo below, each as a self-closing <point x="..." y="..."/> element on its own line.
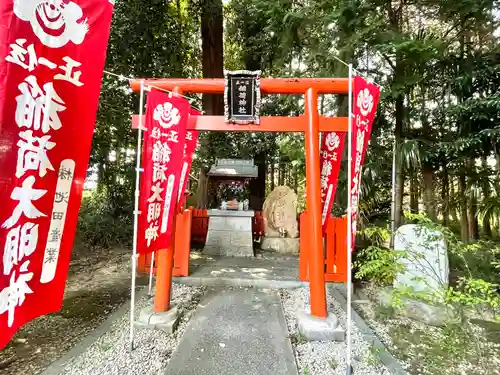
<point x="311" y="123"/>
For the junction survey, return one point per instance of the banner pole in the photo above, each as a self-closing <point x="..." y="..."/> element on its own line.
<point x="151" y="273"/>
<point x="136" y="216"/>
<point x="349" y="226"/>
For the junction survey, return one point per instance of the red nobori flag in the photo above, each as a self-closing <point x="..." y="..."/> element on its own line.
<point x="164" y="138"/>
<point x="332" y="145"/>
<point x="365" y="100"/>
<point x="187" y="160"/>
<point x="52" y="56"/>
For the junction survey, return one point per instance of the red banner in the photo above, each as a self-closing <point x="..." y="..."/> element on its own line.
<point x="332" y="145"/>
<point x="365" y="101"/>
<point x="52" y="56"/>
<point x="187" y="159"/>
<point x="166" y="120"/>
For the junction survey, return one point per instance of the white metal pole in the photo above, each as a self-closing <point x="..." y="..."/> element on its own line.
<point x="349" y="224"/>
<point x="136" y="216"/>
<point x="150" y="287"/>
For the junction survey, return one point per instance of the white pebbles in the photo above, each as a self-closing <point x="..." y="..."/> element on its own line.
<point x="328" y="358"/>
<point x="110" y="355"/>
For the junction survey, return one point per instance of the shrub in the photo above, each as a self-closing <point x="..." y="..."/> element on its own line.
<point x="103" y="222"/>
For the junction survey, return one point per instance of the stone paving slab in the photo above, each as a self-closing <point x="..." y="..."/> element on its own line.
<point x="235" y="331"/>
<point x="243" y="272"/>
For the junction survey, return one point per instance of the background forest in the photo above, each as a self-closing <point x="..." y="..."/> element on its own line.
<point x="438" y="62"/>
<point x="438" y="127"/>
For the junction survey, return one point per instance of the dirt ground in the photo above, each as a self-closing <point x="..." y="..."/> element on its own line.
<point x="98" y="284"/>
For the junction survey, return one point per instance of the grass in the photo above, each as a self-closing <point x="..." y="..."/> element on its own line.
<point x="442" y="350"/>
<point x="373" y="356"/>
<point x="298" y="339"/>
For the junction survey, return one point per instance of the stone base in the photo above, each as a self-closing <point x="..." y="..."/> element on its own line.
<point x="242" y="251"/>
<point x="434" y="315"/>
<point x="281" y="245"/>
<point x="229" y="233"/>
<point x="317" y="329"/>
<point x="166" y="321"/>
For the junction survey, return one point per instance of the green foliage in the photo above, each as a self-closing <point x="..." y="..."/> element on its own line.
<point x="102" y="224"/>
<point x="379" y="265"/>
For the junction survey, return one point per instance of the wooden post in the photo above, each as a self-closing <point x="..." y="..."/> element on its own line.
<point x="166" y="264"/>
<point x="313" y="190"/>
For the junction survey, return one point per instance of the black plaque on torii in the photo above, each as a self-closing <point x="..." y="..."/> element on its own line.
<point x="242" y="97"/>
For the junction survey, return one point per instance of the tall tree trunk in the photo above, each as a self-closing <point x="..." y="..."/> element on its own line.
<point x="399" y="188"/>
<point x="272" y="175"/>
<point x="213" y="67"/>
<point x="295" y="180"/>
<point x="453" y="212"/>
<point x="394" y="13"/>
<point x="445" y="196"/>
<point x="428" y="193"/>
<point x="257" y="186"/>
<point x="414" y="194"/>
<point x="281" y="174"/>
<point x="472" y="204"/>
<point x="486" y="194"/>
<point x="464" y="221"/>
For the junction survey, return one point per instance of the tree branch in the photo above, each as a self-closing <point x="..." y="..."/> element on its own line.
<point x="388" y="59"/>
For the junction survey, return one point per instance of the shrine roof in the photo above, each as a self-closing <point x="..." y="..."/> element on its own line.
<point x="233" y="168"/>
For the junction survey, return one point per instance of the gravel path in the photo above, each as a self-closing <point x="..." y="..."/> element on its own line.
<point x="110" y="355"/>
<point x="327" y="358"/>
<point x="98" y="285"/>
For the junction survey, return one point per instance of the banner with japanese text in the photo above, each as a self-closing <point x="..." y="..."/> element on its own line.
<point x="164" y="138"/>
<point x="332" y="146"/>
<point x="365" y="101"/>
<point x="187" y="159"/>
<point x="52" y="57"/>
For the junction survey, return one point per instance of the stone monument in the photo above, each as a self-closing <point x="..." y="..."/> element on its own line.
<point x="280" y="221"/>
<point x="426" y="270"/>
<point x="427" y="267"/>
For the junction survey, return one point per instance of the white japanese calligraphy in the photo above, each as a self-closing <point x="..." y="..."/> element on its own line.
<point x="161" y="152"/>
<point x="324" y="182"/>
<point x="156" y="133"/>
<point x="20" y="242"/>
<point x="24" y="57"/>
<point x="151" y="233"/>
<point x="70" y="75"/>
<point x="15" y="294"/>
<point x="173" y="136"/>
<point x="360" y="141"/>
<point x="47" y="63"/>
<point x="159" y="172"/>
<point x="38" y="109"/>
<point x="33" y="157"/>
<point x="154" y="210"/>
<point x="157" y="190"/>
<point x="327" y="168"/>
<point x="25" y="195"/>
